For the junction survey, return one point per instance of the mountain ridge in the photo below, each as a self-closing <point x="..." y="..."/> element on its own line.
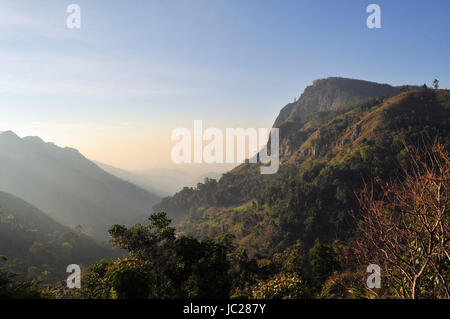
<point x="74" y="189"/>
<point x="332" y="93"/>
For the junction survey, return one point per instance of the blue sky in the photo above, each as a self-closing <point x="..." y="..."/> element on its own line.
<point x="137" y="69"/>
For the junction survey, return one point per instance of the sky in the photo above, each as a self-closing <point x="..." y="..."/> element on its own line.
<point x="135" y="70"/>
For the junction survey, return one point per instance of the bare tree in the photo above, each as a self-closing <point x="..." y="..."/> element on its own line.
<point x="405" y="226"/>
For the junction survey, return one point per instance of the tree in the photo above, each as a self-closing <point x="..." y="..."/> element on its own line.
<point x="145" y="241"/>
<point x="281" y="286"/>
<point x="345" y="285"/>
<point x="159" y="265"/>
<point x="9" y="289"/>
<point x="290" y="260"/>
<point x="205" y="266"/>
<point x="405" y="226"/>
<point x="123" y="278"/>
<point x="324" y="262"/>
<point x="436" y="84"/>
<point x="404" y="88"/>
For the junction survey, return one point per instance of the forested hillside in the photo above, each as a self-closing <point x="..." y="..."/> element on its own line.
<point x="325" y="159"/>
<point x="37" y="247"/>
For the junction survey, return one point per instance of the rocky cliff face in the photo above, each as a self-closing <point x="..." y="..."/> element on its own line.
<point x="331" y="94"/>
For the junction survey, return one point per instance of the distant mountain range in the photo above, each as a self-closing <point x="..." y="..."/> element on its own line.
<point x="160" y="181"/>
<point x="74" y="190"/>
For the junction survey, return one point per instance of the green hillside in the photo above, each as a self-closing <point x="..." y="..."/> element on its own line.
<point x="38" y="247"/>
<point x="324" y="159"/>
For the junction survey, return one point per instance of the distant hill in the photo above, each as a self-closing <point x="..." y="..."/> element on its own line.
<point x="73" y="189"/>
<point x="160" y="181"/>
<point x="326" y="149"/>
<point x="202" y="177"/>
<point x="148" y="184"/>
<point x="38" y="247"/>
<point x="173" y="180"/>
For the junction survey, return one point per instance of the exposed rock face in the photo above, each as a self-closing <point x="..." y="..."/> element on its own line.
<point x="332" y="93"/>
<point x="323" y="95"/>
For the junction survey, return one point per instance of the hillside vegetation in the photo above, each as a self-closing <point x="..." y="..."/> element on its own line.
<point x="324" y="160"/>
<point x="37" y="247"/>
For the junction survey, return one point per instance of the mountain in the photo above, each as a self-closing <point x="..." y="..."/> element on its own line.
<point x="160" y="181"/>
<point x="73" y="189"/>
<point x="332" y="94"/>
<point x="173" y="180"/>
<point x="327" y="150"/>
<point x="136" y="179"/>
<point x="38" y="247"/>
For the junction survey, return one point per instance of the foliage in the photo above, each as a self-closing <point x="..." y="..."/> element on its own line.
<point x="405" y="228"/>
<point x="10" y="289"/>
<point x="311" y="197"/>
<point x="38" y="247"/>
<point x="324" y="262"/>
<point x="436" y="84"/>
<point x="345" y="285"/>
<point x="281" y="286"/>
<point x="160" y="265"/>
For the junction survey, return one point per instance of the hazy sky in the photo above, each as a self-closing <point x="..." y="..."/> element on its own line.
<point x="116" y="88"/>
